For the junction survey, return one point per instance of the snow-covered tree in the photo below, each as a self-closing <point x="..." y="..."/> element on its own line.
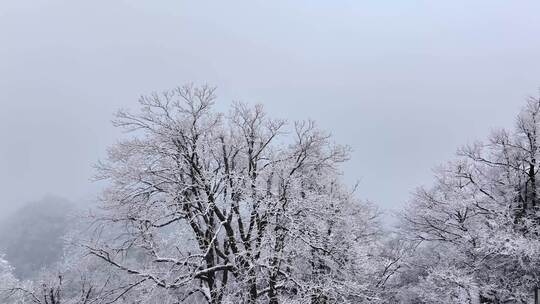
<point x="76" y="280"/>
<point x="480" y="220"/>
<point x="236" y="207"/>
<point x="7" y="279"/>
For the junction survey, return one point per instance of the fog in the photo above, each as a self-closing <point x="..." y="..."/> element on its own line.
<point x="404" y="83"/>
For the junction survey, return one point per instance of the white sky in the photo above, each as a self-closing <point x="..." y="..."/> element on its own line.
<point x="403" y="82"/>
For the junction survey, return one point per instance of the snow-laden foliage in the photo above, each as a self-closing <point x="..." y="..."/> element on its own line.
<point x="231" y="208"/>
<point x="478" y="226"/>
<point x="7" y="279"/>
<point x="210" y="207"/>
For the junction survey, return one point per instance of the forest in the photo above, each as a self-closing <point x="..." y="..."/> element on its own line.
<point x="236" y="206"/>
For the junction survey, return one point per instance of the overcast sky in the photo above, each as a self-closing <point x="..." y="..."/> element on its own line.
<point x="404" y="83"/>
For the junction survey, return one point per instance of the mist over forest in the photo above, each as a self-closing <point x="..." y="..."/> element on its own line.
<point x="222" y="207"/>
<point x="272" y="152"/>
<point x="32" y="237"/>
